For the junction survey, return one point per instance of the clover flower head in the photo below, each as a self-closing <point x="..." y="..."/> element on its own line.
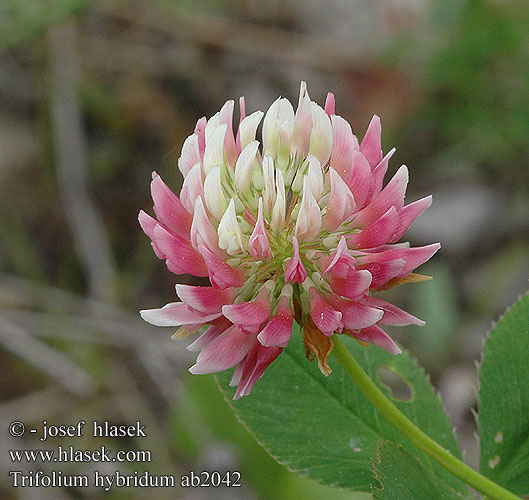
<point x="295" y="227"/>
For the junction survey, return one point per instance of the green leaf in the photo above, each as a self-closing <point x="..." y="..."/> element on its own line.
<point x="324" y="428"/>
<point x="504" y="401"/>
<point x="303" y="488"/>
<point x="401" y="475"/>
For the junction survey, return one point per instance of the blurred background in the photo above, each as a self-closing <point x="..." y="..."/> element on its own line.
<point x="95" y="95"/>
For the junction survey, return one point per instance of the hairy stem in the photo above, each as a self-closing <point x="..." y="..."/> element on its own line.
<point x="417" y="437"/>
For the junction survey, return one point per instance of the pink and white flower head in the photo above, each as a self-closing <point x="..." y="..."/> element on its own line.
<point x="296" y="226"/>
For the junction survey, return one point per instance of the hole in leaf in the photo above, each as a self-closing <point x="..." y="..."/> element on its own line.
<point x="494" y="461"/>
<point x="399" y="387"/>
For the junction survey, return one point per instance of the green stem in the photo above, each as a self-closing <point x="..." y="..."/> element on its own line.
<point x="412" y="432"/>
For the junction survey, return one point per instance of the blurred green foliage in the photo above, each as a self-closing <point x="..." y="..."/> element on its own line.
<point x="23" y="20"/>
<point x="477" y="89"/>
<point x="434" y="343"/>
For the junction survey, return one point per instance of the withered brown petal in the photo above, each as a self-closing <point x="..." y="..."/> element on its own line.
<point x="318" y="345"/>
<point x="182" y="333"/>
<point x="352" y="335"/>
<point x="411" y="278"/>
